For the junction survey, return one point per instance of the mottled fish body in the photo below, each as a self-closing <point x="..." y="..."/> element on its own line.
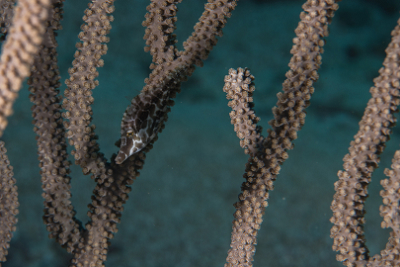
<point x="141" y="122"/>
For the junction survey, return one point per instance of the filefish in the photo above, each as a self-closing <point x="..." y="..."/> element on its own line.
<point x="141" y="122"/>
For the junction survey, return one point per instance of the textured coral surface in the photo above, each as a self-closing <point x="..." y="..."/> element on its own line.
<point x="181" y="207"/>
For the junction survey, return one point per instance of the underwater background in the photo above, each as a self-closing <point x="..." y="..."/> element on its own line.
<point x="180" y="210"/>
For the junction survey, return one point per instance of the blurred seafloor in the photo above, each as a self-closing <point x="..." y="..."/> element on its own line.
<point x="180" y="209"/>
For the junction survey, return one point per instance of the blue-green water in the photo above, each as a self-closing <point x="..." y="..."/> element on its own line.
<point x="180" y="209"/>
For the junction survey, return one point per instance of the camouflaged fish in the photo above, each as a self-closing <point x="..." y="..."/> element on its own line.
<point x="141" y="122"/>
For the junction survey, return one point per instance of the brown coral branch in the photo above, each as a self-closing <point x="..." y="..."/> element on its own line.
<point x="363" y="158"/>
<point x="8" y="202"/>
<point x="78" y="95"/>
<point x="44" y="84"/>
<point x="24" y="39"/>
<point x="263" y="165"/>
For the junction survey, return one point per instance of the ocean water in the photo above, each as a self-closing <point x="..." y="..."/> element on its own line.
<point x="180" y="210"/>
